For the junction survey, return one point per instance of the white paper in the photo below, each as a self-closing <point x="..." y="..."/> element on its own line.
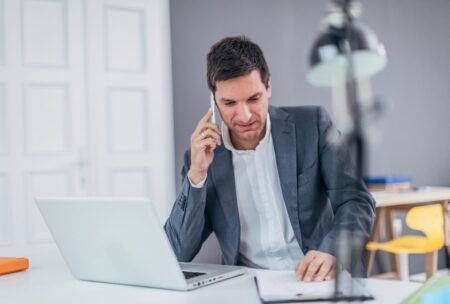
<point x="276" y="285"/>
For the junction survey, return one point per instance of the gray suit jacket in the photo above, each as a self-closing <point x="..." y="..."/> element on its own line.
<point x="322" y="195"/>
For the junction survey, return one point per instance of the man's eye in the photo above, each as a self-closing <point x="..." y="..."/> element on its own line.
<point x="229" y="103"/>
<point x="254" y="99"/>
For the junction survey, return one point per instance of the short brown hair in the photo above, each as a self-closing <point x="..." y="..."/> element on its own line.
<point x="233" y="57"/>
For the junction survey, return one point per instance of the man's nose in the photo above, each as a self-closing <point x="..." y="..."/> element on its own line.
<point x="244" y="113"/>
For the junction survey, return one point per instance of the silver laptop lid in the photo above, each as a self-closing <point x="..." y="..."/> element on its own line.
<point x="114" y="240"/>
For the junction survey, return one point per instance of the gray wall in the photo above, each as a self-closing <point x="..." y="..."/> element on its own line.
<point x="415" y="84"/>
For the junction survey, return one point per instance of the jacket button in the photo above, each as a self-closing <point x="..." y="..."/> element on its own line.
<point x="182" y="202"/>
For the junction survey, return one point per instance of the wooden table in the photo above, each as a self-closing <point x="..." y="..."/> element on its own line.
<point x="387" y="202"/>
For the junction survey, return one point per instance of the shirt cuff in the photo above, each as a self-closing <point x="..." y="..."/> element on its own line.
<point x="200" y="184"/>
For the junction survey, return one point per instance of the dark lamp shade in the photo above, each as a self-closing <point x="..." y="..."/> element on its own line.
<point x="328" y="61"/>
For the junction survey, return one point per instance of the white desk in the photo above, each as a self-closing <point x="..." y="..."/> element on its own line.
<point x="49" y="281"/>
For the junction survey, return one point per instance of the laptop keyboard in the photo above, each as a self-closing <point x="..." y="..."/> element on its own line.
<point x="188" y="274"/>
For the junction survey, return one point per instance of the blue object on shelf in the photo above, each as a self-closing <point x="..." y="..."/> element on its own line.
<point x="387" y="179"/>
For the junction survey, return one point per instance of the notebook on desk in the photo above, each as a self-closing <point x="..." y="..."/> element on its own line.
<point x="283" y="287"/>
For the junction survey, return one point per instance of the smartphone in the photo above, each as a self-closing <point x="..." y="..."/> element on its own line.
<point x="213" y="109"/>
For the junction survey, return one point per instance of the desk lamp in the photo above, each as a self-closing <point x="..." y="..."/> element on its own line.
<point x="344" y="56"/>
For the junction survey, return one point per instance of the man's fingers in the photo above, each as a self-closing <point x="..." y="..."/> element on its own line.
<point x="312" y="269"/>
<point x="207" y="116"/>
<point x="331" y="274"/>
<point x="207" y="143"/>
<point x="317" y="266"/>
<point x="325" y="268"/>
<point x="300" y="270"/>
<point x="209" y="133"/>
<point x="202" y="127"/>
<point x="211" y="126"/>
<point x="204" y="120"/>
<point x="303" y="266"/>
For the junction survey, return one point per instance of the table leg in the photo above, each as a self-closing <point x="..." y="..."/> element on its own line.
<point x="404" y="266"/>
<point x="431" y="261"/>
<point x="389" y="220"/>
<point x="374" y="237"/>
<point x="446" y="210"/>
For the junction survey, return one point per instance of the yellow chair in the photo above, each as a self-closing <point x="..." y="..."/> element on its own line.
<point x="428" y="219"/>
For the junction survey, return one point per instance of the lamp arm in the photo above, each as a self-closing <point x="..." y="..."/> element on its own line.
<point x="356" y="142"/>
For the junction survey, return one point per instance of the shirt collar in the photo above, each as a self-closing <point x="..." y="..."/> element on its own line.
<point x="227" y="139"/>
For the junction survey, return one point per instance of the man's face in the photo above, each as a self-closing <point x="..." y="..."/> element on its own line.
<point x="243" y="103"/>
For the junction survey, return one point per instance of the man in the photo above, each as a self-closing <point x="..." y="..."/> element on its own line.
<point x="268" y="183"/>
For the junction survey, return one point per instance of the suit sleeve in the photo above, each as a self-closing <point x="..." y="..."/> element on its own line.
<point x="352" y="204"/>
<point x="188" y="226"/>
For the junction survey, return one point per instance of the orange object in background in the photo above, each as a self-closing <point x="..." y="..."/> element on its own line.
<point x="9" y="265"/>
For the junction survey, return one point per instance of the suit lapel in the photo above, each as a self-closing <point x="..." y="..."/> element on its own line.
<point x="285" y="146"/>
<point x="223" y="177"/>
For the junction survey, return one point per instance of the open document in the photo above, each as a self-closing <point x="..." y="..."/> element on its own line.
<point x="284" y="287"/>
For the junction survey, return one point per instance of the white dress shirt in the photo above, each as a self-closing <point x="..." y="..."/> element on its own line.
<point x="267" y="239"/>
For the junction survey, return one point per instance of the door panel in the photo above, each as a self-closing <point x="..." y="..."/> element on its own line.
<point x="44" y="33"/>
<point x="42" y="103"/>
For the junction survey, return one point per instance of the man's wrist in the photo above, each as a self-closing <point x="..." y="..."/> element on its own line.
<point x="198" y="185"/>
<point x="196" y="177"/>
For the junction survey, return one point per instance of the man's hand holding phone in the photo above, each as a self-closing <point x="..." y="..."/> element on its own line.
<point x="204" y="140"/>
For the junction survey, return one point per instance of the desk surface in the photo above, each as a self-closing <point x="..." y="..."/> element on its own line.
<point x="49" y="281"/>
<point x="423" y="195"/>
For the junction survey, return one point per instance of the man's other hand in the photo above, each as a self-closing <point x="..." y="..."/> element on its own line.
<point x="316" y="266"/>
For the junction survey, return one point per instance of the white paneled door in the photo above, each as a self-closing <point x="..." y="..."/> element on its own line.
<point x="129" y="80"/>
<point x="85" y="107"/>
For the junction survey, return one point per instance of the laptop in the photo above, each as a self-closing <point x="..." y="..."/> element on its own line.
<point x="121" y="240"/>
